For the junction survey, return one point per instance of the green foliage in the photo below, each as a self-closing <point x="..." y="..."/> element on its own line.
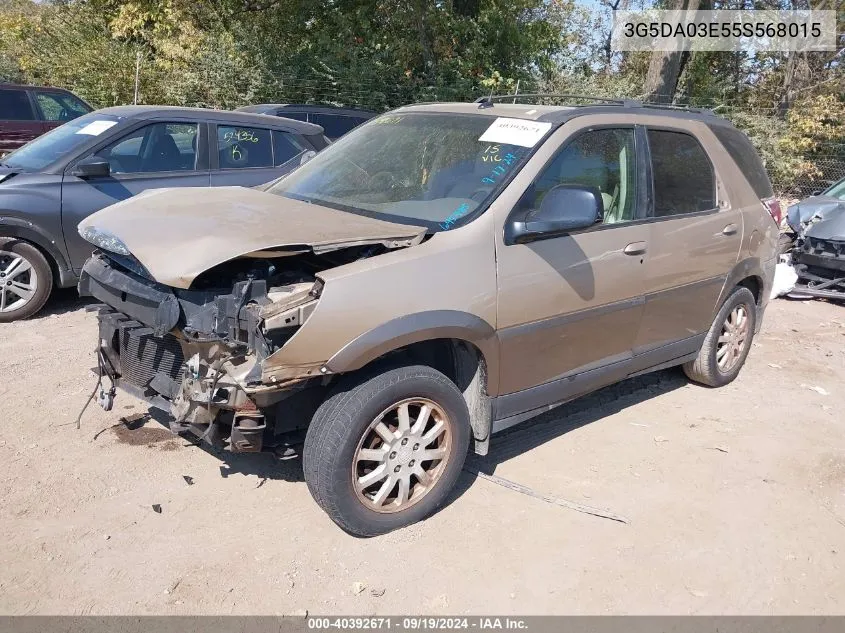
<point x="381" y="54"/>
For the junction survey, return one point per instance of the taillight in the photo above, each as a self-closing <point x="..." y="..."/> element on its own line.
<point x="773" y="207"/>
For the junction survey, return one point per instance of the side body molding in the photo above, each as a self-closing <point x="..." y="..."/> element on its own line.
<point x="422" y="326"/>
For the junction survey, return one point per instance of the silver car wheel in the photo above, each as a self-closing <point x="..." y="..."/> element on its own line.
<point x="402" y="455"/>
<point x="732" y="340"/>
<point x="18" y="281"/>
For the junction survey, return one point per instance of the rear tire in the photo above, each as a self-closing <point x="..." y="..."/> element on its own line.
<point x="727" y="342"/>
<point x="25" y="279"/>
<point x="385" y="450"/>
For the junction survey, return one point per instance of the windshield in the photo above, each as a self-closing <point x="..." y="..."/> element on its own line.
<point x="50" y="147"/>
<point x="424" y="169"/>
<point x="837" y="190"/>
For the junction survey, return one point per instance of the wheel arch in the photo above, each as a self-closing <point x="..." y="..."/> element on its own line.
<point x="750" y="274"/>
<point x="28" y="232"/>
<point x="460" y="345"/>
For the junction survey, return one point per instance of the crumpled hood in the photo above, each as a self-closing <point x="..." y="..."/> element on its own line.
<point x="813" y="209"/>
<point x="177" y="234"/>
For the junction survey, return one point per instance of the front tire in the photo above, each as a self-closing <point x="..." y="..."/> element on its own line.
<point x="385" y="450"/>
<point x="25" y="279"/>
<point x="728" y="341"/>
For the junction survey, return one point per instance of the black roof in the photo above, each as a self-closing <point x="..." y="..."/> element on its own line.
<point x="208" y="114"/>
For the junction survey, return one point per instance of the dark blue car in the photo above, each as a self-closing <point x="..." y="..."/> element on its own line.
<point x="49" y="185"/>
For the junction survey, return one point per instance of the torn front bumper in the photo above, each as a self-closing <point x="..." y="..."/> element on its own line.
<point x="196" y="355"/>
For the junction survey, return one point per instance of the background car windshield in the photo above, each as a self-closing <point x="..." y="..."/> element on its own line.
<point x="837" y="190"/>
<point x="426" y="169"/>
<point x="55" y="144"/>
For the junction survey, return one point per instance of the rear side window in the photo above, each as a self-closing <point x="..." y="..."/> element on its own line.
<point x="56" y="106"/>
<point x="682" y="174"/>
<point x="15" y="106"/>
<point x="745" y="156"/>
<point x="244" y="147"/>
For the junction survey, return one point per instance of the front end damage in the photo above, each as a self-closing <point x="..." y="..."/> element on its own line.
<point x="819" y="252"/>
<point x="199" y="353"/>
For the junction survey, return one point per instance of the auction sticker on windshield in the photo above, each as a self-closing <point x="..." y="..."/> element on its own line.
<point x="515" y="132"/>
<point x="95" y="128"/>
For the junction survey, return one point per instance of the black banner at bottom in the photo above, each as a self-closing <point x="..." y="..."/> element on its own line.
<point x="324" y="623"/>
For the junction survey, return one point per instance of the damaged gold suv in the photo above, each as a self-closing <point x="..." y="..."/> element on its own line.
<point x="439" y="274"/>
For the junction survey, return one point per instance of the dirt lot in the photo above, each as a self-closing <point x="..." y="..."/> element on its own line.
<point x="735" y="497"/>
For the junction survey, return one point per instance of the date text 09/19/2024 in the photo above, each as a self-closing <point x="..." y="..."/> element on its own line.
<point x="416" y="623"/>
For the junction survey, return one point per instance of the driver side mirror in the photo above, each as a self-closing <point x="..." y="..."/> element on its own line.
<point x="92" y="167"/>
<point x="564" y="208"/>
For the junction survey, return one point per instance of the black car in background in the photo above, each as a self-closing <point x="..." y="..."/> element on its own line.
<point x="26" y="112"/>
<point x="48" y="186"/>
<point x="335" y="121"/>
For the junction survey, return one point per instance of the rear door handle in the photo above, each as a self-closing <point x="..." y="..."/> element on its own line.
<point x="635" y="248"/>
<point x="730" y="229"/>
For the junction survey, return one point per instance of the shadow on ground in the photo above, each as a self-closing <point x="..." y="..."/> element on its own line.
<point x="62" y="300"/>
<point x="570" y="416"/>
<point x="516" y="441"/>
<point x="152" y="427"/>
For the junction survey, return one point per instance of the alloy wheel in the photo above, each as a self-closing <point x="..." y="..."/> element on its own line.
<point x="401" y="455"/>
<point x="18" y="281"/>
<point x="732" y="340"/>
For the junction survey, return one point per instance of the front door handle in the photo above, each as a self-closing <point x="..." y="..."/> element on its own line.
<point x="730" y="229"/>
<point x="635" y="248"/>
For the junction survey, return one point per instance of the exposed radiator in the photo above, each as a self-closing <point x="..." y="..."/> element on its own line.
<point x="143" y="355"/>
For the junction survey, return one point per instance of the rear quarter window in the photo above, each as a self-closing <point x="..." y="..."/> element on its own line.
<point x="745" y="157"/>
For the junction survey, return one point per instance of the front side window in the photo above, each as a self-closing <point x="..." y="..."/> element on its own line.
<point x="60" y="142"/>
<point x="57" y="106"/>
<point x="244" y="147"/>
<point x="157" y="147"/>
<point x="421" y="168"/>
<point x="15" y="106"/>
<point x="604" y="160"/>
<point x="683" y="176"/>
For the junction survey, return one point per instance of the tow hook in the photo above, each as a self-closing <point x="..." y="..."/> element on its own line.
<point x="106" y="399"/>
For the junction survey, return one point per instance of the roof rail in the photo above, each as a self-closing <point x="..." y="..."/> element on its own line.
<point x="488" y="101"/>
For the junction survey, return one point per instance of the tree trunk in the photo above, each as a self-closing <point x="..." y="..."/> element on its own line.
<point x="664" y="68"/>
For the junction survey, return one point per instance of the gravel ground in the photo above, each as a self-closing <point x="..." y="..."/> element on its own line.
<point x="735" y="499"/>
